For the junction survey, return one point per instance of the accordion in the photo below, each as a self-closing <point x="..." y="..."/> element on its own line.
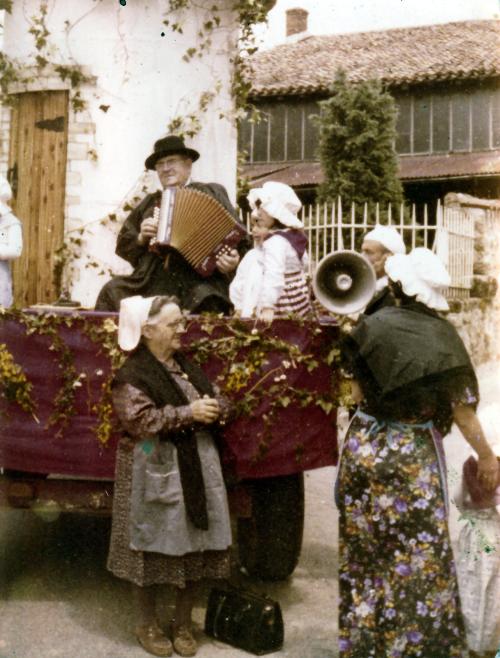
<point x="197" y="226"/>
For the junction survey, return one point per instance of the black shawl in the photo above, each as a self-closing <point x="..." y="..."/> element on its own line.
<point x="143" y="371"/>
<point x="410" y="363"/>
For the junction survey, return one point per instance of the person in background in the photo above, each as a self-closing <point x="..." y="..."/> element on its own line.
<point x="412" y="377"/>
<point x="478" y="550"/>
<point x="378" y="244"/>
<point x="11" y="242"/>
<point x="170" y="522"/>
<point x="153" y="273"/>
<point x="280" y="286"/>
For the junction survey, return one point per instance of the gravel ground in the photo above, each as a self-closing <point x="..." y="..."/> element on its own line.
<point x="58" y="601"/>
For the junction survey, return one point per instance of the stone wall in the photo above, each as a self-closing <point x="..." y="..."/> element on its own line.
<point x="478" y="318"/>
<point x="478" y="323"/>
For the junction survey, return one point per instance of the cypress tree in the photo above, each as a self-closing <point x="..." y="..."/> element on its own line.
<point x="356" y="146"/>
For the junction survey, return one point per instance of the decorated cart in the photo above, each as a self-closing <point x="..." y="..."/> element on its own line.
<point x="58" y="432"/>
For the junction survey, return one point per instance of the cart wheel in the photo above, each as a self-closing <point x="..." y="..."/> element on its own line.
<point x="270" y="541"/>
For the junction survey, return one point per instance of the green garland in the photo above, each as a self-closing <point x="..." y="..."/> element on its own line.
<point x="14" y="385"/>
<point x="105" y="334"/>
<point x="242" y="354"/>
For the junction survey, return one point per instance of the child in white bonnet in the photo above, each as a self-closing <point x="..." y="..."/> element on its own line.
<point x="478" y="552"/>
<point x="271" y="279"/>
<point x="11" y="242"/>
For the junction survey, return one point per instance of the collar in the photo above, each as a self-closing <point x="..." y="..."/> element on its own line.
<point x="381" y="283"/>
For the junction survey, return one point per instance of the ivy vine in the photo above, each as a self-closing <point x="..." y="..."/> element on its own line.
<point x="14" y="384"/>
<point x="249" y="13"/>
<point x="12" y="71"/>
<point x="251" y="366"/>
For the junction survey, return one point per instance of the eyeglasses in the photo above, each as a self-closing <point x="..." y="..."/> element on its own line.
<point x="181" y="323"/>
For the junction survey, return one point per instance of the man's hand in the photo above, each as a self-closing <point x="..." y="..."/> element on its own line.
<point x="228" y="262"/>
<point x="206" y="410"/>
<point x="149" y="227"/>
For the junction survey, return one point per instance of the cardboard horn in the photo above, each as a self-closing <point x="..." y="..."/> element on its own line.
<point x="344" y="282"/>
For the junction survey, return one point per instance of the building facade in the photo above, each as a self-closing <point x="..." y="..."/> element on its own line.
<point x="445" y="82"/>
<point x="96" y="85"/>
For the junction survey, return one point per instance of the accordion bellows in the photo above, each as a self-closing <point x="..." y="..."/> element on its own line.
<point x="197" y="226"/>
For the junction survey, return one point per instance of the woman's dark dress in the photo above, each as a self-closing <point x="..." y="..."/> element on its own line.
<point x="142" y="420"/>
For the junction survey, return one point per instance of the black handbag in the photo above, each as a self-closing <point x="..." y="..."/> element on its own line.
<point x="244" y="620"/>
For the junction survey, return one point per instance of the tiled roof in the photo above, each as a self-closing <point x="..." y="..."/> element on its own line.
<point x="416" y="167"/>
<point x="399" y="56"/>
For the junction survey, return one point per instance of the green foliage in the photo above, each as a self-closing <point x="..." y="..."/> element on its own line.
<point x="249" y="12"/>
<point x="8" y="75"/>
<point x="14" y="385"/>
<point x="252" y="365"/>
<point x="39" y="27"/>
<point x="6" y="5"/>
<point x="357" y="136"/>
<point x="12" y="71"/>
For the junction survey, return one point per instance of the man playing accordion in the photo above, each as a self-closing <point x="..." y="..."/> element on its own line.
<point x="154" y="272"/>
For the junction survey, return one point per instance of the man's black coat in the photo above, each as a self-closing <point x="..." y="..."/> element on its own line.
<point x="151" y="277"/>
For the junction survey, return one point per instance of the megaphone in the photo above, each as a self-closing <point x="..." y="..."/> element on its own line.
<point x="344" y="282"/>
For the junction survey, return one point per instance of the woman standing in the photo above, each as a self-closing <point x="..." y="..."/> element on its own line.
<point x="412" y="378"/>
<point x="170" y="514"/>
<point x="11" y="242"/>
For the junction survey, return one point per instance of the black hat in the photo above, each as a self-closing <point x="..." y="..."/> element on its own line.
<point x="170" y="145"/>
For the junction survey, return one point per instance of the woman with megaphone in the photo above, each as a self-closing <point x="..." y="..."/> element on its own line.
<point x="412" y="378"/>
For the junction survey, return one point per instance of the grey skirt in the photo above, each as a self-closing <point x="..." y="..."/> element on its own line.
<point x="149" y="568"/>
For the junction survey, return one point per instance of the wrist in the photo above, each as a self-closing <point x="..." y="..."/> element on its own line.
<point x="485" y="453"/>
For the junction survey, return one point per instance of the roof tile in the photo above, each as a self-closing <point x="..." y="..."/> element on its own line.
<point x="398" y="56"/>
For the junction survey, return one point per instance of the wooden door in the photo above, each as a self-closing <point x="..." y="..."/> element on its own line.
<point x="37" y="171"/>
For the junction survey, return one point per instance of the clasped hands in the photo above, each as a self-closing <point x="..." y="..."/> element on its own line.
<point x="225" y="262"/>
<point x="205" y="410"/>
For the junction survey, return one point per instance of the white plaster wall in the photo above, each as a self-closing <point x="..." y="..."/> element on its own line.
<point x="140" y="75"/>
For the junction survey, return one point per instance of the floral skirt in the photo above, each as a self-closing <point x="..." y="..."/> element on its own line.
<point x="398" y="588"/>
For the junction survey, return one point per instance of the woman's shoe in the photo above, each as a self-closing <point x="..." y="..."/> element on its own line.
<point x="154" y="640"/>
<point x="184" y="642"/>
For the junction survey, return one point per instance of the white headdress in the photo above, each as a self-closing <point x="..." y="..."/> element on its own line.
<point x="279" y="200"/>
<point x="5" y="196"/>
<point x="134" y="312"/>
<point x="422" y="275"/>
<point x="388" y="237"/>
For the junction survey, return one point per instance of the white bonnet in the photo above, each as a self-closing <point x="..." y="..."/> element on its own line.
<point x="388" y="237"/>
<point x="5" y="195"/>
<point x="422" y="275"/>
<point x="134" y="312"/>
<point x="279" y="200"/>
